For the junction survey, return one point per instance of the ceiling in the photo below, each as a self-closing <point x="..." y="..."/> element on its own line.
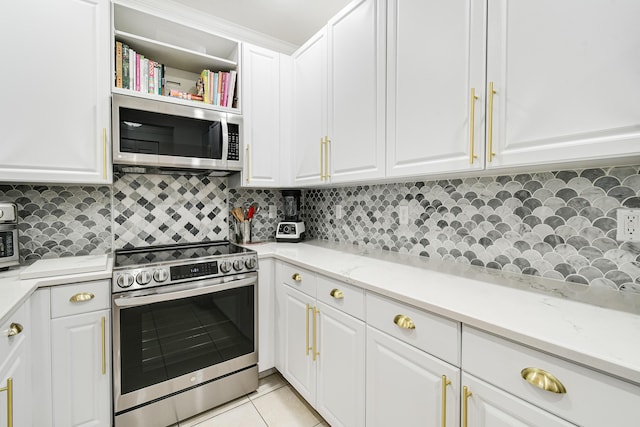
<point x="293" y="21"/>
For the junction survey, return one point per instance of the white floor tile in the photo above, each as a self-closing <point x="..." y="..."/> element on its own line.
<point x="284" y="408"/>
<point x="267" y="385"/>
<point x="198" y="419"/>
<point x="244" y="415"/>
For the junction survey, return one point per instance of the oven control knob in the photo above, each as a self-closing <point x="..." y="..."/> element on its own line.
<point x="125" y="280"/>
<point x="225" y="266"/>
<point x="143" y="278"/>
<point x="160" y="275"/>
<point x="237" y="265"/>
<point x="250" y="263"/>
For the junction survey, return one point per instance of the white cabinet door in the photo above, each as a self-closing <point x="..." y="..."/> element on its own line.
<point x="299" y="367"/>
<point x="488" y="406"/>
<point x="55" y="109"/>
<point x="566" y="83"/>
<point x="436" y="56"/>
<point x="266" y="301"/>
<point x="356" y="78"/>
<point x="261" y="116"/>
<point x="405" y="385"/>
<point x="81" y="374"/>
<point x="341" y="368"/>
<point x="309" y="109"/>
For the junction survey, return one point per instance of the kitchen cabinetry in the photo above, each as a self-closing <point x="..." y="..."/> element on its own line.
<point x="266" y="315"/>
<point x="15" y="369"/>
<point x="183" y="49"/>
<point x="532" y="380"/>
<point x="55" y="112"/>
<point x="73" y="361"/>
<point x="322" y="338"/>
<point x="339" y="98"/>
<point x="406" y="384"/>
<point x="436" y="56"/>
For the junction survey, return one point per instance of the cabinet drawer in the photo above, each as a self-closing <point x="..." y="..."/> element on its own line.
<point x="90" y="296"/>
<point x="298" y="278"/>
<point x="21" y="319"/>
<point x="342" y="296"/>
<point x="434" y="334"/>
<point x="591" y="398"/>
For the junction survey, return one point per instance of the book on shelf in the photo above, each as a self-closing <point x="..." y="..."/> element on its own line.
<point x="118" y="64"/>
<point x="232" y="87"/>
<point x="125" y="66"/>
<point x="136" y="72"/>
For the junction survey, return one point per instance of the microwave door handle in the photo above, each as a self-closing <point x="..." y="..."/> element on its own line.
<point x="225" y="139"/>
<point x="133" y="301"/>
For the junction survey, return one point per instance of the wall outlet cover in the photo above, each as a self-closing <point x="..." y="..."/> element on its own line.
<point x="403" y="213"/>
<point x="628" y="225"/>
<point x="272" y="211"/>
<point x="338" y="211"/>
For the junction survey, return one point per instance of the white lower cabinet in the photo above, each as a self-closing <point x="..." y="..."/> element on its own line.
<point x="15" y="369"/>
<point x="266" y="333"/>
<point x="321" y="345"/>
<point x="487" y="406"/>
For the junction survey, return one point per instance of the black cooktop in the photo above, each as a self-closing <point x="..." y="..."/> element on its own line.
<point x="172" y="253"/>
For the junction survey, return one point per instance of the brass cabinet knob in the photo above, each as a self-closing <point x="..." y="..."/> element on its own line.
<point x="297" y="277"/>
<point x="336" y="293"/>
<point x="14" y="329"/>
<point x="82" y="297"/>
<point x="404" y="322"/>
<point x="543" y="380"/>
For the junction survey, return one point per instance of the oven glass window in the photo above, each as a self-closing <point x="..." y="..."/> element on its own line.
<point x="165" y="340"/>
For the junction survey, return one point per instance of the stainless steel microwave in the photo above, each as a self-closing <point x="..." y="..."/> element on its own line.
<point x="160" y="134"/>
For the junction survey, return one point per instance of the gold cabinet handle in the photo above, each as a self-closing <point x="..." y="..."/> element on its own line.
<point x="316" y="353"/>
<point x="14" y="329"/>
<point x="104" y="348"/>
<point x="466" y="394"/>
<point x="307" y="348"/>
<point x="321" y="159"/>
<point x="490" y="152"/>
<point x="248" y="174"/>
<point x="336" y="293"/>
<point x="543" y="379"/>
<point x="296" y="277"/>
<point x="472" y="126"/>
<point x="104" y="153"/>
<point x="82" y="297"/>
<point x="9" y="390"/>
<point x="404" y="322"/>
<point x="326" y="157"/>
<point x="445" y="383"/>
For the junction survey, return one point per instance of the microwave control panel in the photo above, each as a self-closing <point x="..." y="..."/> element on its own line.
<point x="234" y="142"/>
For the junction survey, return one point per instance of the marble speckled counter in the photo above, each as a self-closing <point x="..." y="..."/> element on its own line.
<point x="598" y="328"/>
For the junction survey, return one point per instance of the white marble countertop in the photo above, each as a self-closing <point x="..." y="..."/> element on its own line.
<point x="532" y="311"/>
<point x="15" y="291"/>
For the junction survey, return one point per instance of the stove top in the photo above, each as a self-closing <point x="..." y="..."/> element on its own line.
<point x="164" y="265"/>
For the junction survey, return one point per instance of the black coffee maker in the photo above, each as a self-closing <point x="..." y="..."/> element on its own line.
<point x="292" y="228"/>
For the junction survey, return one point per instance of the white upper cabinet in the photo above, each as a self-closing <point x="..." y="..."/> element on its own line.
<point x="339" y="99"/>
<point x="55" y="114"/>
<point x="566" y="81"/>
<point x="261" y="117"/>
<point x="436" y="57"/>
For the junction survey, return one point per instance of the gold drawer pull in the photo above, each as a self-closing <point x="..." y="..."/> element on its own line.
<point x="14" y="329"/>
<point x="82" y="297"/>
<point x="445" y="383"/>
<point x="336" y="293"/>
<point x="404" y="322"/>
<point x="307" y="348"/>
<point x="297" y="277"/>
<point x="9" y="390"/>
<point x="543" y="379"/>
<point x="466" y="394"/>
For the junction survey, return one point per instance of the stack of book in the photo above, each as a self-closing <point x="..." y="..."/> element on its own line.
<point x="135" y="72"/>
<point x="219" y="87"/>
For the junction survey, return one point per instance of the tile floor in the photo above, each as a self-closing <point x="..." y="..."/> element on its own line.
<point x="274" y="404"/>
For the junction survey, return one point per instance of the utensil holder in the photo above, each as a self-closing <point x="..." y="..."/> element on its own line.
<point x="243" y="232"/>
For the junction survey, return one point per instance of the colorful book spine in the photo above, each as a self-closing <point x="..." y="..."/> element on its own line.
<point x="152" y="77"/>
<point x="138" y="57"/>
<point x="119" y="64"/>
<point x="132" y="69"/>
<point x="232" y="88"/>
<point x="204" y="76"/>
<point x="216" y="94"/>
<point x="125" y="66"/>
<point x="164" y="80"/>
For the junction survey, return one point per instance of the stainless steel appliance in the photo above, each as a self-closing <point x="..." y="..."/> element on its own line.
<point x="292" y="228"/>
<point x="185" y="331"/>
<point x="159" y="135"/>
<point x="9" y="246"/>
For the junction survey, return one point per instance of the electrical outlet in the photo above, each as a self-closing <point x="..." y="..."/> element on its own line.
<point x="403" y="212"/>
<point x="628" y="225"/>
<point x="272" y="211"/>
<point x="338" y="211"/>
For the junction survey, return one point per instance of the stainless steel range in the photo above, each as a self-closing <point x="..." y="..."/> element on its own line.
<point x="185" y="331"/>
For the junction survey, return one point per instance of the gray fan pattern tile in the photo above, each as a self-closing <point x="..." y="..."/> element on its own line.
<point x="262" y="227"/>
<point x="559" y="225"/>
<point x="61" y="221"/>
<point x="167" y="209"/>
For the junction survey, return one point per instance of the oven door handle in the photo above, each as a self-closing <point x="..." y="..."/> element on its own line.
<point x="133" y="301"/>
